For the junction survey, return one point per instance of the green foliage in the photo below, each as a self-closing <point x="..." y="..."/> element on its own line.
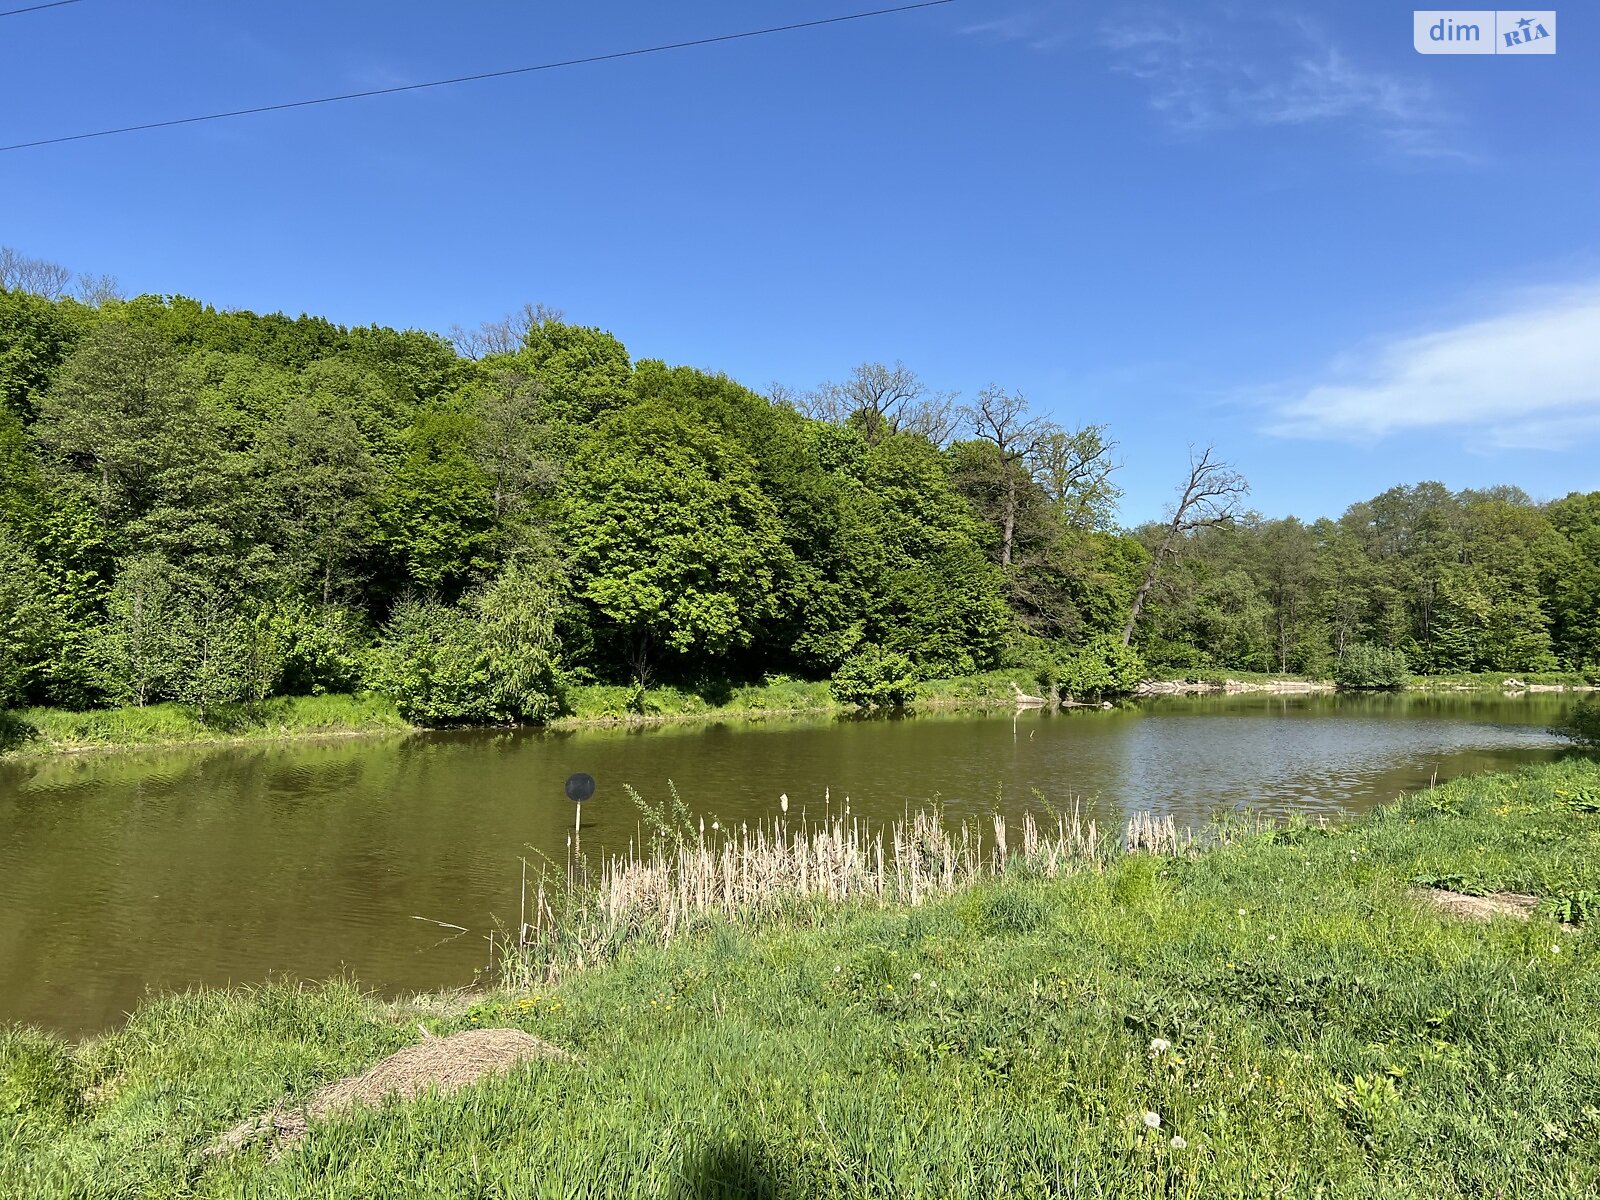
<point x="490" y="660"/>
<point x="1368" y="666"/>
<point x="323" y="650"/>
<point x="220" y="506"/>
<point x="435" y="514"/>
<point x="674" y="544"/>
<point x="875" y="678"/>
<point x="1582" y="724"/>
<point x="36" y="336"/>
<point x="25" y="617"/>
<point x="1104" y="667"/>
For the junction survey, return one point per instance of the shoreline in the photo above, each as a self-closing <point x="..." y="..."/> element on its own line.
<point x="371" y="717"/>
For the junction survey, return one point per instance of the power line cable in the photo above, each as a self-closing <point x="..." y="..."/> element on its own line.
<point x="13" y="12"/>
<point x="438" y="83"/>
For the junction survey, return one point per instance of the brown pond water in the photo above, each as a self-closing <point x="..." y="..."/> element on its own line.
<point x="124" y="872"/>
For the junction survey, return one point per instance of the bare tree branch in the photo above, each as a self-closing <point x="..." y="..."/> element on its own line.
<point x="1002" y="420"/>
<point x="1211" y="497"/>
<point x="505" y="336"/>
<point x="20" y="273"/>
<point x="885" y="400"/>
<point x="95" y="290"/>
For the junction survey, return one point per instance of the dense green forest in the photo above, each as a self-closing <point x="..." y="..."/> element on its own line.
<point x="212" y="506"/>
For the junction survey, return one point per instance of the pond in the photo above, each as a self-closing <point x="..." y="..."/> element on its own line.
<point x="125" y="872"/>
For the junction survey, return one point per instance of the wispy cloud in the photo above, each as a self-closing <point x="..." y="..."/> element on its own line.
<point x="1232" y="71"/>
<point x="1037" y="28"/>
<point x="1223" y="68"/>
<point x="1525" y="378"/>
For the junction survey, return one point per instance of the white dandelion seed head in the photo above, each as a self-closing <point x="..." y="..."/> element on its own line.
<point x="1152" y="1120"/>
<point x="1178" y="1142"/>
<point x="1159" y="1045"/>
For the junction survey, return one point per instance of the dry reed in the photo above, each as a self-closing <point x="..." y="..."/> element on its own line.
<point x="689" y="873"/>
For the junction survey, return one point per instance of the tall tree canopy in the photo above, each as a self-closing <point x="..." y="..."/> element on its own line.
<point x="208" y="506"/>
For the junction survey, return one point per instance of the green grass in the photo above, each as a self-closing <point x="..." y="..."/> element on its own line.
<point x="1220" y="675"/>
<point x="990" y="689"/>
<point x="1495" y="680"/>
<point x="611" y="702"/>
<point x="50" y="730"/>
<point x="1283" y="1004"/>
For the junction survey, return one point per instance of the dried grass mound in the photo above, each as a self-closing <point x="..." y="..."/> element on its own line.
<point x="1482" y="908"/>
<point x="446" y="1064"/>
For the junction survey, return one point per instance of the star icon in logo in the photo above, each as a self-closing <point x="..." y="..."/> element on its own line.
<point x="1525" y="22"/>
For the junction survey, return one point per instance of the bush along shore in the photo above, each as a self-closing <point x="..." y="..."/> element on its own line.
<point x="50" y="731"/>
<point x="821" y="1009"/>
<point x="47" y="730"/>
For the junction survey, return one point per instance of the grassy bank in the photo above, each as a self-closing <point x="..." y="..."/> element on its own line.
<point x="1217" y="677"/>
<point x="46" y="731"/>
<point x="50" y="730"/>
<point x="1496" y="680"/>
<point x="605" y="703"/>
<point x="1280" y="1016"/>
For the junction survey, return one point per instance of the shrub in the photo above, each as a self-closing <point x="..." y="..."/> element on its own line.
<point x="875" y="678"/>
<point x="1368" y="666"/>
<point x="1582" y="724"/>
<point x="490" y="660"/>
<point x="1104" y="667"/>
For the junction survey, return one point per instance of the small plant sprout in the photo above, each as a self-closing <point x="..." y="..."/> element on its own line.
<point x="1152" y="1120"/>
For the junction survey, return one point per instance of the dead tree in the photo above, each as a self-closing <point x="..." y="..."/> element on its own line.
<point x="1002" y="420"/>
<point x="886" y="400"/>
<point x="20" y="273"/>
<point x="1210" y="498"/>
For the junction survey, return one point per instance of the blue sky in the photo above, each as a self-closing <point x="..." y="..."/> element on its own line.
<point x="1274" y="228"/>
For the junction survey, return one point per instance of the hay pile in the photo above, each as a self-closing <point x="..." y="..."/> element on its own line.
<point x="447" y="1064"/>
<point x="1482" y="908"/>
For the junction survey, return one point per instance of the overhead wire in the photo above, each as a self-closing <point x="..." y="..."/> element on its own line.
<point x="17" y="12"/>
<point x="612" y="56"/>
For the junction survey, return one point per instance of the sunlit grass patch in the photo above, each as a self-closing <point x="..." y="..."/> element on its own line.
<point x="176" y="724"/>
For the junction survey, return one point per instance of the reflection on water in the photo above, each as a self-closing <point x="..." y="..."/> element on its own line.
<point x="121" y="872"/>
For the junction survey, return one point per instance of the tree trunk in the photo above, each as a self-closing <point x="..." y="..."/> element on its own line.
<point x="1150" y="574"/>
<point x="1008" y="533"/>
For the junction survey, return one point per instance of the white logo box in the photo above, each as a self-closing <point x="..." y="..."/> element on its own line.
<point x="1484" y="31"/>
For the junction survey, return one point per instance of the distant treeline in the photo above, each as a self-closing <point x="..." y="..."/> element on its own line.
<point x="211" y="506"/>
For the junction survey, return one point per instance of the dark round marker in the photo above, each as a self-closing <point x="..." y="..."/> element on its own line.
<point x="580" y="787"/>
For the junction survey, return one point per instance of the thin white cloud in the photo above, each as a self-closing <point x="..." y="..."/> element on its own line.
<point x="1231" y="72"/>
<point x="1226" y="68"/>
<point x="1525" y="378"/>
<point x="1040" y="29"/>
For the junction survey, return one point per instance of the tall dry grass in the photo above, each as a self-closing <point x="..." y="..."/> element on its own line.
<point x="691" y="871"/>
